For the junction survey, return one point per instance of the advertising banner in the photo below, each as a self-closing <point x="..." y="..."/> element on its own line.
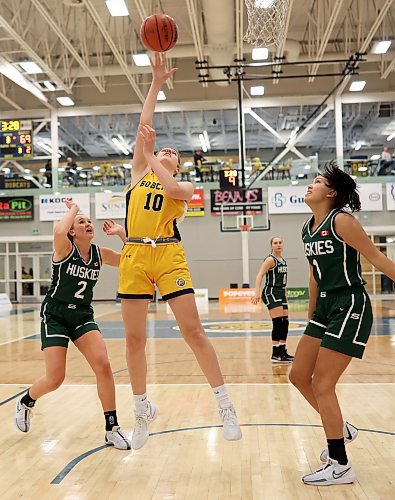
<point x="52" y="206"/>
<point x="287" y="200"/>
<point x="290" y="199"/>
<point x="232" y="295"/>
<point x="16" y="208"/>
<point x="196" y="205"/>
<point x="228" y="197"/>
<point x="371" y="196"/>
<point x="390" y="196"/>
<point x="16" y="183"/>
<point x="110" y="205"/>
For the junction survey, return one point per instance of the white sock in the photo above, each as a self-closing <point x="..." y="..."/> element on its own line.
<point x="141" y="403"/>
<point x="222" y="396"/>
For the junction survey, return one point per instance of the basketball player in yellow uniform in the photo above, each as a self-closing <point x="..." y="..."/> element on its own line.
<point x="153" y="255"/>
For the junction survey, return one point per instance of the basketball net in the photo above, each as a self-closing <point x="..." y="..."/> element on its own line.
<point x="266" y="22"/>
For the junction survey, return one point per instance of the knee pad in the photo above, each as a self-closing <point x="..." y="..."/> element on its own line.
<point x="276" y="331"/>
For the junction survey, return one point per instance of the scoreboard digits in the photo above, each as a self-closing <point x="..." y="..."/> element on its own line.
<point x="16" y="139"/>
<point x="229" y="178"/>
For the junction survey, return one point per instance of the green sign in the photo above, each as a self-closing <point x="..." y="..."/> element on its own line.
<point x="298" y="293"/>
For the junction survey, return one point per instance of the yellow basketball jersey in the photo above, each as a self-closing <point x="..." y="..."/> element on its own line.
<point x="150" y="212"/>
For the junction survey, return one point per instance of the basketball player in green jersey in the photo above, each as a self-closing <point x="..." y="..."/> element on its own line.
<point x="275" y="299"/>
<point x="67" y="314"/>
<point x="340" y="314"/>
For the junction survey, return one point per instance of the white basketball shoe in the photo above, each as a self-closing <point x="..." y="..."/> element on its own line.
<point x="140" y="432"/>
<point x="23" y="414"/>
<point x="331" y="473"/>
<point x="117" y="438"/>
<point x="231" y="427"/>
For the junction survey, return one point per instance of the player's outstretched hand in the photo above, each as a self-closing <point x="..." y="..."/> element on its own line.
<point x="70" y="204"/>
<point x="148" y="135"/>
<point x="159" y="71"/>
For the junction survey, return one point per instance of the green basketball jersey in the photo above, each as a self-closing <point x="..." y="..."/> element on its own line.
<point x="335" y="264"/>
<point x="277" y="276"/>
<point x="73" y="279"/>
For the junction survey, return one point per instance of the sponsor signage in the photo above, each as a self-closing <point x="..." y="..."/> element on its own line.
<point x="16" y="183"/>
<point x="110" y="205"/>
<point x="297" y="293"/>
<point x="52" y="206"/>
<point x="16" y="208"/>
<point x="371" y="196"/>
<point x="232" y="295"/>
<point x="287" y="200"/>
<point x="290" y="199"/>
<point x="196" y="205"/>
<point x="228" y="198"/>
<point x="390" y="196"/>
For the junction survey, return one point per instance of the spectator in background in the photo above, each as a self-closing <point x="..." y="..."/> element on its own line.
<point x="48" y="173"/>
<point x="386" y="163"/>
<point x="197" y="156"/>
<point x="72" y="172"/>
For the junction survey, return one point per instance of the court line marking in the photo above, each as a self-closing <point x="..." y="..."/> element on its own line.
<point x="33" y="334"/>
<point x="70" y="466"/>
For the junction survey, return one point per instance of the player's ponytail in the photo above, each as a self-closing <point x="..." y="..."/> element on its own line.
<point x="344" y="185"/>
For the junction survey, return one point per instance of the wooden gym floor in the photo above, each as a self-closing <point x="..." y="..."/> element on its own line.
<point x="63" y="456"/>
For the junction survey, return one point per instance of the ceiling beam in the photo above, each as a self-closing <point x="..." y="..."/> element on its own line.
<point x="324" y="38"/>
<point x="118" y="56"/>
<point x="33" y="55"/>
<point x="66" y="42"/>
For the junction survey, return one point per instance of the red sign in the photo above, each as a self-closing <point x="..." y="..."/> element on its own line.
<point x="196" y="205"/>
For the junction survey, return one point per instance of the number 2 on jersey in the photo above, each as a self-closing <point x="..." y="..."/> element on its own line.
<point x="154" y="203"/>
<point x="78" y="293"/>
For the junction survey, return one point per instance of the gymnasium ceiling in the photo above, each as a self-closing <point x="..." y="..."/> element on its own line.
<point x="87" y="55"/>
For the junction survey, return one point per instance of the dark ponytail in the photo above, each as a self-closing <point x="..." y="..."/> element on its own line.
<point x="344" y="185"/>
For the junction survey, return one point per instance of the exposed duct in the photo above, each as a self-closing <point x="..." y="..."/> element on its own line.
<point x="219" y="20"/>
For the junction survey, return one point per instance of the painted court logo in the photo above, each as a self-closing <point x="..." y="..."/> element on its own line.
<point x="181" y="282"/>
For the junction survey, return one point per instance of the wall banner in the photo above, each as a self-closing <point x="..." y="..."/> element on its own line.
<point x="196" y="205"/>
<point x="371" y="196"/>
<point x="287" y="200"/>
<point x="110" y="205"/>
<point x="52" y="206"/>
<point x="390" y="196"/>
<point x="14" y="208"/>
<point x="229" y="197"/>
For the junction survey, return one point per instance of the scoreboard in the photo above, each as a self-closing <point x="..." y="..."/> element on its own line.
<point x="16" y="139"/>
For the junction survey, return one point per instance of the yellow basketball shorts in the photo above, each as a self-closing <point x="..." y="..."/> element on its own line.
<point x="142" y="267"/>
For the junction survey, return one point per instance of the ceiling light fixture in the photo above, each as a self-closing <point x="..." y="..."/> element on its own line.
<point x="117" y="142"/>
<point x="11" y="72"/>
<point x="161" y="96"/>
<point x="357" y="86"/>
<point x="381" y="47"/>
<point x="49" y="85"/>
<point x="259" y="53"/>
<point x="391" y="136"/>
<point x="141" y="59"/>
<point x="30" y="67"/>
<point x="117" y="8"/>
<point x="65" y="101"/>
<point x="257" y="90"/>
<point x="203" y="143"/>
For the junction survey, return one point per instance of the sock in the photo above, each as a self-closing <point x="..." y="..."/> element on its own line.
<point x="141" y="403"/>
<point x="284" y="329"/>
<point x="337" y="450"/>
<point x="222" y="396"/>
<point x="28" y="401"/>
<point x="276" y="351"/>
<point x="111" y="419"/>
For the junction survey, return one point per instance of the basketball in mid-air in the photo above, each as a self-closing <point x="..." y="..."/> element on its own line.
<point x="159" y="32"/>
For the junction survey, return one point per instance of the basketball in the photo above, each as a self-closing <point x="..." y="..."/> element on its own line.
<point x="159" y="32"/>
